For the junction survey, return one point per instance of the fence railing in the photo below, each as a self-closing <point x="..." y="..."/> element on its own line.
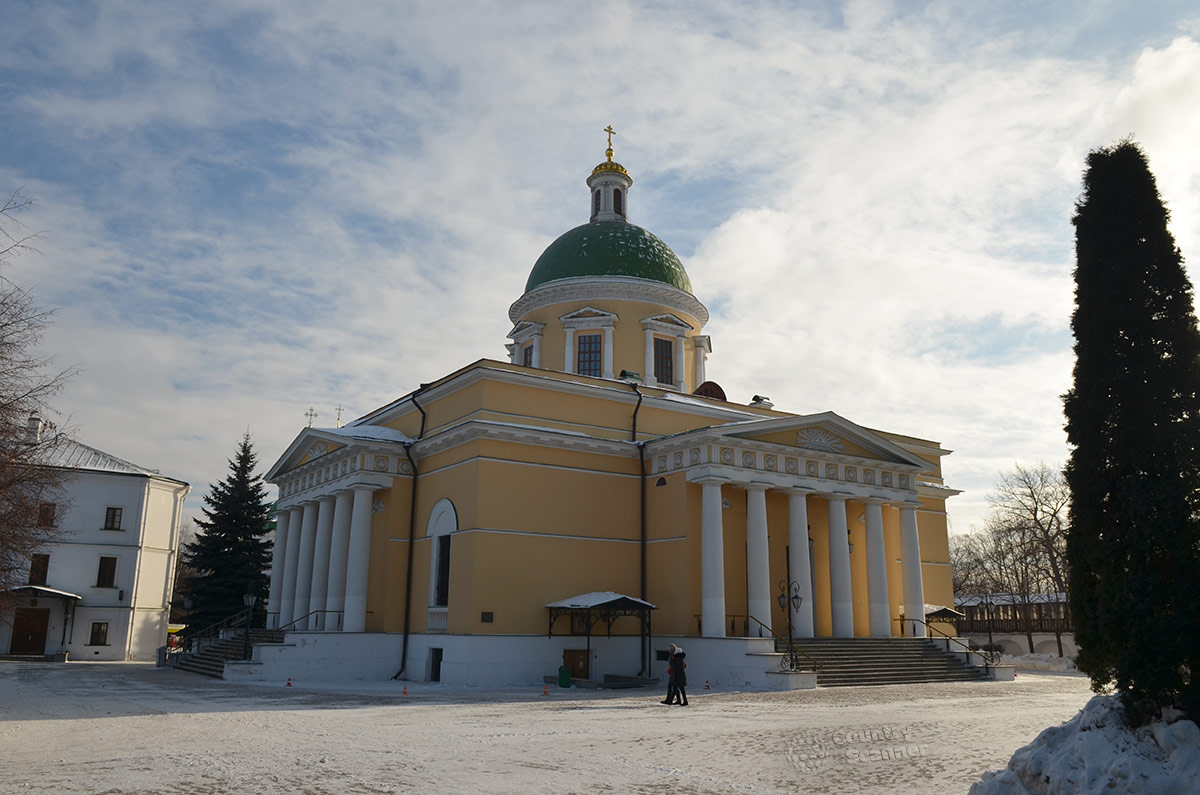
<point x="1014" y="625"/>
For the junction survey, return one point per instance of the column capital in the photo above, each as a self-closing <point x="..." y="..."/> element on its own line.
<point x="753" y="486"/>
<point x="713" y="480"/>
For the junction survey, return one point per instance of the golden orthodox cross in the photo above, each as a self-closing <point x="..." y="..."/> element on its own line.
<point x="611" y="132"/>
<point x="312" y="415"/>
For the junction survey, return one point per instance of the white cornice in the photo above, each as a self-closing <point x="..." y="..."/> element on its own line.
<point x="611" y="288"/>
<point x="472" y="430"/>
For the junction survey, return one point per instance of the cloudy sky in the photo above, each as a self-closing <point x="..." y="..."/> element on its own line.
<point x="253" y="208"/>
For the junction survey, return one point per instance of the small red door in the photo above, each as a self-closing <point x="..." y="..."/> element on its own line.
<point x="29" y="630"/>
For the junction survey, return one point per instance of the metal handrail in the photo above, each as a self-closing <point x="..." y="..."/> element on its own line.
<point x="989" y="659"/>
<point x="792" y="650"/>
<point x="242" y="618"/>
<point x="311" y="613"/>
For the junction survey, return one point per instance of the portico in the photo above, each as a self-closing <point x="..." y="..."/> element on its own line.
<point x="323" y="530"/>
<point x="813" y="476"/>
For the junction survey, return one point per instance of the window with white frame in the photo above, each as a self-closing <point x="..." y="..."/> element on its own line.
<point x="443" y="522"/>
<point x="589" y="355"/>
<point x="664" y="360"/>
<point x="112" y="518"/>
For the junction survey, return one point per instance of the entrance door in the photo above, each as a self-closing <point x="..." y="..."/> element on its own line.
<point x="577" y="661"/>
<point x="29" y="630"/>
<point x="435" y="664"/>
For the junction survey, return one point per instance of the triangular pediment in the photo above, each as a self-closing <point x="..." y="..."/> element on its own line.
<point x="313" y="443"/>
<point x="668" y="320"/>
<point x="525" y="328"/>
<point x="588" y="313"/>
<point x="826" y="433"/>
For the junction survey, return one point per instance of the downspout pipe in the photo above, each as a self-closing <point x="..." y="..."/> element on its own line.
<point x="412" y="532"/>
<point x="642" y="516"/>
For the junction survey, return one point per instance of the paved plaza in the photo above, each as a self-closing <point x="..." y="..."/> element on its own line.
<point x="132" y="728"/>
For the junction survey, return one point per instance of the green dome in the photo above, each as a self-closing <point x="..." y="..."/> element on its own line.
<point x="609" y="248"/>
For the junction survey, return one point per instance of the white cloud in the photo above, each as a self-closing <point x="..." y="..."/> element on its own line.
<point x="261" y="208"/>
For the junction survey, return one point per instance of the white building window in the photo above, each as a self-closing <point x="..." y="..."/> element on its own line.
<point x="112" y="518"/>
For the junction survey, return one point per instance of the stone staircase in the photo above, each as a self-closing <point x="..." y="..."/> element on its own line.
<point x="846" y="662"/>
<point x="210" y="661"/>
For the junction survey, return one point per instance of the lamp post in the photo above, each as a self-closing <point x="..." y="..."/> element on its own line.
<point x="790" y="600"/>
<point x="248" y="600"/>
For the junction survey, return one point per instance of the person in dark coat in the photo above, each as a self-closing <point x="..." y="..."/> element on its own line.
<point x="671" y="650"/>
<point x="679" y="678"/>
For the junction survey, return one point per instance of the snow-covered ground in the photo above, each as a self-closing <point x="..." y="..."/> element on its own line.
<point x="130" y="728"/>
<point x="1039" y="662"/>
<point x="1094" y="752"/>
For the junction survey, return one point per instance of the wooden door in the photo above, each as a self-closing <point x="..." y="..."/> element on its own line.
<point x="29" y="630"/>
<point x="577" y="661"/>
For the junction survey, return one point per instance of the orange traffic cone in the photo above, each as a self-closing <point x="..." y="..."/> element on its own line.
<point x="289" y="684"/>
<point x="706" y="687"/>
<point x="405" y="693"/>
<point x="545" y="690"/>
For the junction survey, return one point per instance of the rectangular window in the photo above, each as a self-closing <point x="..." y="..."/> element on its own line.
<point x="39" y="566"/>
<point x="588" y="362"/>
<point x="112" y="518"/>
<point x="664" y="361"/>
<point x="441" y="594"/>
<point x="106" y="576"/>
<point x="99" y="634"/>
<point x="527" y="356"/>
<point x="46" y="514"/>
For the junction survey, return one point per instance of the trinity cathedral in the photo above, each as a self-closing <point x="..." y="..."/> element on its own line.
<point x="593" y="496"/>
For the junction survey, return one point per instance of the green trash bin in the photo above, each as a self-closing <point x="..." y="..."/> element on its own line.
<point x="564" y="676"/>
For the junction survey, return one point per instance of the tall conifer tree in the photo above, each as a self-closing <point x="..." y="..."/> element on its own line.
<point x="1133" y="422"/>
<point x="231" y="553"/>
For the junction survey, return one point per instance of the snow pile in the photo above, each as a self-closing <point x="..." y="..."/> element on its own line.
<point x="1094" y="752"/>
<point x="1039" y="662"/>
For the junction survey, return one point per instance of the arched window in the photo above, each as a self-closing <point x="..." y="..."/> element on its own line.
<point x="596" y="203"/>
<point x="618" y="207"/>
<point x="443" y="521"/>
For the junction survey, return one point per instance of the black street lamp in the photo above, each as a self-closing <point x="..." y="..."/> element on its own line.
<point x="248" y="600"/>
<point x="790" y="600"/>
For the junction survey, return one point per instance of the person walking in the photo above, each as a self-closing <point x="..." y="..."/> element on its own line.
<point x="671" y="650"/>
<point x="679" y="677"/>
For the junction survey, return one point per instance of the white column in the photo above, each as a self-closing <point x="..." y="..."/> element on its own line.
<point x="358" y="558"/>
<point x="798" y="562"/>
<point x="879" y="610"/>
<point x="569" y="353"/>
<point x="758" y="560"/>
<point x="537" y="350"/>
<point x="701" y="355"/>
<point x="287" y="599"/>
<point x="910" y="562"/>
<point x="608" y="351"/>
<point x="841" y="594"/>
<point x="712" y="562"/>
<point x="650" y="379"/>
<point x="680" y="375"/>
<point x="339" y="546"/>
<point x="514" y="352"/>
<point x="278" y="555"/>
<point x="308" y="542"/>
<point x="320" y="572"/>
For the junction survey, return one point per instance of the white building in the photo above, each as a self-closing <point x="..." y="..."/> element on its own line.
<point x="101" y="591"/>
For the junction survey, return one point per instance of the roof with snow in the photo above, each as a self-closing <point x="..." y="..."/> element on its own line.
<point x="70" y="454"/>
<point x="375" y="433"/>
<point x="599" y="599"/>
